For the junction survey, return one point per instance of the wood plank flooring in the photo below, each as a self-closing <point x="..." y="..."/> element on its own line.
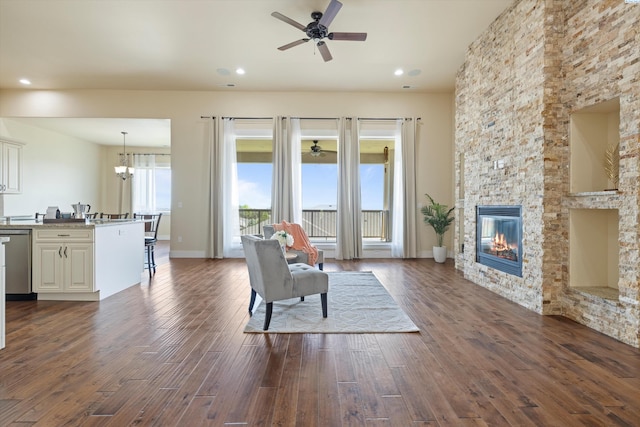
<point x="172" y="353"/>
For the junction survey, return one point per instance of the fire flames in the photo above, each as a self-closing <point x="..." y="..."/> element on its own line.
<point x="501" y="248"/>
<point x="500" y="243"/>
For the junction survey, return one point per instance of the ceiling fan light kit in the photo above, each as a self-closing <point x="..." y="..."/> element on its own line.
<point x="316" y="151"/>
<point x="318" y="30"/>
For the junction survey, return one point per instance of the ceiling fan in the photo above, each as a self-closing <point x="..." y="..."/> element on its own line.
<point x="318" y="30"/>
<point x="317" y="151"/>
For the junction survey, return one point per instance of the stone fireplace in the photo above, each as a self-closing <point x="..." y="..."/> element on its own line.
<point x="543" y="96"/>
<point x="499" y="238"/>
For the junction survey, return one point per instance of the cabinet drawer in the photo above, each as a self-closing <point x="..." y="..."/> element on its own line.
<point x="64" y="234"/>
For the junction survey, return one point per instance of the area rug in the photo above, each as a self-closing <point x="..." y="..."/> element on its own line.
<point x="357" y="303"/>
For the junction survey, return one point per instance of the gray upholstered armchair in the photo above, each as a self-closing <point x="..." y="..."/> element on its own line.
<point x="302" y="256"/>
<point x="273" y="279"/>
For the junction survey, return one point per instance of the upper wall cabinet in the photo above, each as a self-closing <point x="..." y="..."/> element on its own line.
<point x="10" y="166"/>
<point x="594" y="138"/>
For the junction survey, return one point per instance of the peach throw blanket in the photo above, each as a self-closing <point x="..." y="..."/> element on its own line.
<point x="300" y="240"/>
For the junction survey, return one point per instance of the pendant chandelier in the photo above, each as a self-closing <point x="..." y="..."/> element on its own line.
<point x="123" y="170"/>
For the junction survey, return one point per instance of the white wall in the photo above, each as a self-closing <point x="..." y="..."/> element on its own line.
<point x="58" y="170"/>
<point x="190" y="136"/>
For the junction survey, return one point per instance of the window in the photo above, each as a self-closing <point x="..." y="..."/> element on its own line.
<point x="152" y="183"/>
<point x="319" y="188"/>
<point x="375" y="184"/>
<point x="255" y="170"/>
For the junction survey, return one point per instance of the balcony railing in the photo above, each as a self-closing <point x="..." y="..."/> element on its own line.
<point x="319" y="224"/>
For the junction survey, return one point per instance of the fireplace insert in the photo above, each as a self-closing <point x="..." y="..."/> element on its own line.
<point x="499" y="238"/>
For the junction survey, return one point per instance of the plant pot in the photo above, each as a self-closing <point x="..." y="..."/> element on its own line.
<point x="440" y="253"/>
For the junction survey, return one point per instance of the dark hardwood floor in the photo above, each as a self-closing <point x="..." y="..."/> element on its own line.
<point x="172" y="353"/>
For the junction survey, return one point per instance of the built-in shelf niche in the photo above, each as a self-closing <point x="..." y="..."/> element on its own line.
<point x="592" y="131"/>
<point x="594" y="251"/>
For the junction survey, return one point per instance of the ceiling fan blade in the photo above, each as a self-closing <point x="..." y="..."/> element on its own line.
<point x="357" y="37"/>
<point x="292" y="44"/>
<point x="330" y="13"/>
<point x="289" y="21"/>
<point x="324" y="51"/>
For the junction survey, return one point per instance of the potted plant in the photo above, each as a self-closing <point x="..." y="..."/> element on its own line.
<point x="440" y="218"/>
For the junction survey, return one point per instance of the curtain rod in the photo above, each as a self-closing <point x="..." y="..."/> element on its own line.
<point x="359" y="118"/>
<point x="248" y="118"/>
<point x="237" y="118"/>
<point x="313" y="118"/>
<point x="388" y="118"/>
<point x="146" y="154"/>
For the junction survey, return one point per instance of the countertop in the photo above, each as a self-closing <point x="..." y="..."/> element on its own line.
<point x="8" y="223"/>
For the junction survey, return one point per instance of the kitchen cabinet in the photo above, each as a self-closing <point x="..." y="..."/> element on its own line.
<point x="86" y="261"/>
<point x="10" y="166"/>
<point x="63" y="261"/>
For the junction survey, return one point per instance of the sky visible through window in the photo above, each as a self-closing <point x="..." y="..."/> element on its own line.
<point x="163" y="189"/>
<point x="319" y="185"/>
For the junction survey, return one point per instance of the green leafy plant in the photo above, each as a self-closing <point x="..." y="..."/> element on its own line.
<point x="437" y="216"/>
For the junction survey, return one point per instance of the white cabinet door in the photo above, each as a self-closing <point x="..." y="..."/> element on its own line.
<point x="48" y="267"/>
<point x="63" y="267"/>
<point x="11" y="166"/>
<point x="78" y="268"/>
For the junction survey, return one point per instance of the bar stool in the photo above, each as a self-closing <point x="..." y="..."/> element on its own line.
<point x="151" y="224"/>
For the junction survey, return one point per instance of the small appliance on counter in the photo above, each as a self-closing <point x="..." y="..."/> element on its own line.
<point x="52" y="212"/>
<point x="80" y="210"/>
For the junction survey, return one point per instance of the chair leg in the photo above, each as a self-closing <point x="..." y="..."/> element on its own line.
<point x="252" y="301"/>
<point x="149" y="260"/>
<point x="267" y="316"/>
<point x="323" y="299"/>
<point x="153" y="258"/>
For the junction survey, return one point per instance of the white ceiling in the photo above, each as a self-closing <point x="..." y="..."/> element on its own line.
<point x="191" y="44"/>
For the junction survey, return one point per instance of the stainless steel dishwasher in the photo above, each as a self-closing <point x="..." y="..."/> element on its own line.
<point x="18" y="265"/>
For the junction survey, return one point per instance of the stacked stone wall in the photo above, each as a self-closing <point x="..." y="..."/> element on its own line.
<point x="539" y="62"/>
<point x="499" y="107"/>
<point x="601" y="61"/>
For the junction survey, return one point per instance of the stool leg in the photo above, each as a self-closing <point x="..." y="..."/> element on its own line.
<point x="153" y="258"/>
<point x="149" y="260"/>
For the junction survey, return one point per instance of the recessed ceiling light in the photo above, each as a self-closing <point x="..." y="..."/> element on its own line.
<point x="25" y="81"/>
<point x="240" y="71"/>
<point x="398" y="72"/>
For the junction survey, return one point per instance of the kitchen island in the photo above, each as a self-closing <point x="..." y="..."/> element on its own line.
<point x="83" y="261"/>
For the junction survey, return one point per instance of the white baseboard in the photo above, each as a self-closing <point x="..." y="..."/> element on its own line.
<point x="186" y="254"/>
